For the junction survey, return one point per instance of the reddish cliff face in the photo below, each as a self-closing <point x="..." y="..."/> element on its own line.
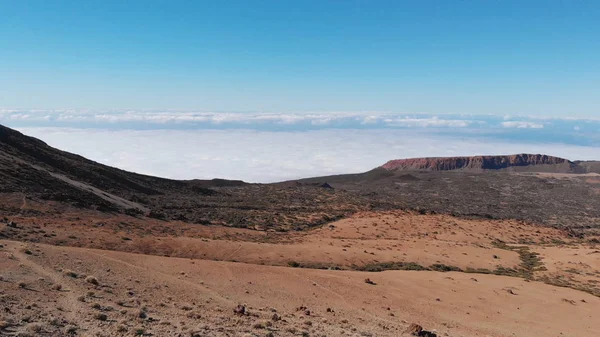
<point x="474" y="163"/>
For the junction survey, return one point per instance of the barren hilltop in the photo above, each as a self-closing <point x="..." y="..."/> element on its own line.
<point x="472" y="246"/>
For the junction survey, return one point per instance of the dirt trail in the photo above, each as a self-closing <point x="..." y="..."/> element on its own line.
<point x="68" y="300"/>
<point x="149" y="270"/>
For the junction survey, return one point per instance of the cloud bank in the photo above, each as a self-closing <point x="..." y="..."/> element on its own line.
<point x="269" y="156"/>
<point x="267" y="147"/>
<point x="149" y="119"/>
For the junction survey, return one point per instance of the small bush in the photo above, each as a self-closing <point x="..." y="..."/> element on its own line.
<point x="35" y="327"/>
<point x="443" y="267"/>
<point x="259" y="325"/>
<point x="377" y="267"/>
<point x="71" y="329"/>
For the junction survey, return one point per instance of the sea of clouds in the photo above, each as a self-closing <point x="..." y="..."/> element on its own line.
<point x="267" y="147"/>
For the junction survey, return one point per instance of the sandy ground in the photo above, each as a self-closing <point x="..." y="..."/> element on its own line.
<point x="181" y="296"/>
<point x="189" y="278"/>
<point x="362" y="239"/>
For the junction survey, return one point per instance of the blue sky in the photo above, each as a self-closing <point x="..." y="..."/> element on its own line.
<point x="273" y="90"/>
<point x="528" y="58"/>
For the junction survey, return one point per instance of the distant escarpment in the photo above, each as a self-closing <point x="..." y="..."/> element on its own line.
<point x="518" y="162"/>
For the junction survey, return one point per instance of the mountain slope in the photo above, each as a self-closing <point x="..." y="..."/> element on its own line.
<point x="54" y="179"/>
<point x="29" y="165"/>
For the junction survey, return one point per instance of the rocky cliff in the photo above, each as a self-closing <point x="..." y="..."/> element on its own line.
<point x="482" y="163"/>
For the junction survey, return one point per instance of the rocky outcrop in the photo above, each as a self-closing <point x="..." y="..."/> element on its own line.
<point x="479" y="163"/>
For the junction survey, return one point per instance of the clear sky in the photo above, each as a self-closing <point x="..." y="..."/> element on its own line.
<point x="538" y="58"/>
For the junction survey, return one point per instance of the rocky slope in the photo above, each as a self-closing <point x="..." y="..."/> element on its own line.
<point x="37" y="179"/>
<point x="519" y="162"/>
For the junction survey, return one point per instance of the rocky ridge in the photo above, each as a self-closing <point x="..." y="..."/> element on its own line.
<point x="483" y="163"/>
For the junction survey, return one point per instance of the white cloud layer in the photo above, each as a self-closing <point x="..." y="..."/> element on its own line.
<point x="150" y="119"/>
<point x="522" y="125"/>
<point x="268" y="156"/>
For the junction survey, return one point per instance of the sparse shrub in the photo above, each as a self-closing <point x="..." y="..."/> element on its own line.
<point x="478" y="270"/>
<point x="56" y="321"/>
<point x="22" y="285"/>
<point x="101" y="316"/>
<point x="258" y="325"/>
<point x="25" y="334"/>
<point x="57" y="287"/>
<point x="443" y="268"/>
<point x="35" y="327"/>
<point x="377" y="267"/>
<point x="71" y="329"/>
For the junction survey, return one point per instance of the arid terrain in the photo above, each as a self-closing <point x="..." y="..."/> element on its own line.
<point x="451" y="247"/>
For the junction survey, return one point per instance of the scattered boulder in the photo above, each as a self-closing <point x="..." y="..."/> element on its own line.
<point x="92" y="280"/>
<point x="369" y="281"/>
